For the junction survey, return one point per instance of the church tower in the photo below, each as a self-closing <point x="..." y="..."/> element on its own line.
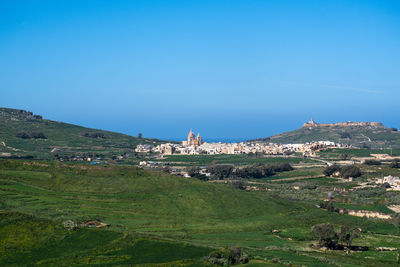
<point x="198" y="139"/>
<point x="192" y="140"/>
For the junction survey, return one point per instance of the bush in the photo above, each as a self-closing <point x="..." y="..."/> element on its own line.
<point x="261" y="170"/>
<point x="227" y="256"/>
<point x="220" y="171"/>
<point x="371" y="162"/>
<point x="238" y="185"/>
<point x="326" y="235"/>
<point x="350" y="171"/>
<point x="29" y="135"/>
<point x="329" y="206"/>
<point x="330" y="170"/>
<point x="195" y="173"/>
<point x="395" y="163"/>
<point x="70" y="225"/>
<point x="94" y="135"/>
<point x="346" y="235"/>
<point x="282" y="167"/>
<point x="249" y="172"/>
<point x="345" y="136"/>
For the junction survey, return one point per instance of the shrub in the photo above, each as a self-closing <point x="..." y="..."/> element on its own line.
<point x="29" y="135"/>
<point x="221" y="171"/>
<point x="350" y="171"/>
<point x="326" y="235"/>
<point x="261" y="170"/>
<point x="328" y="206"/>
<point x="70" y="225"/>
<point x="249" y="172"/>
<point x="346" y="235"/>
<point x="330" y="170"/>
<point x="94" y="135"/>
<point x="238" y="185"/>
<point x="372" y="162"/>
<point x="395" y="163"/>
<point x="227" y="256"/>
<point x="345" y="136"/>
<point x="195" y="173"/>
<point x="282" y="167"/>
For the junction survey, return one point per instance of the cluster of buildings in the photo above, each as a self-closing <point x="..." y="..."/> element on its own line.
<point x="393" y="181"/>
<point x="312" y="123"/>
<point x="195" y="146"/>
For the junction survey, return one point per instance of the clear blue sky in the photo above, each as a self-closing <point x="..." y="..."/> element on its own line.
<point x="229" y="69"/>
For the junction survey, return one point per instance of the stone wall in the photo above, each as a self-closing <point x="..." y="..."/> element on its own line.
<point x="345" y="124"/>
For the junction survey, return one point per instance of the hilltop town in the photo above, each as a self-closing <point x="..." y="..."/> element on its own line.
<point x="195" y="146"/>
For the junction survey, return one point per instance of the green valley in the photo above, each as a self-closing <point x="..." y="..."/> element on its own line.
<point x="156" y="218"/>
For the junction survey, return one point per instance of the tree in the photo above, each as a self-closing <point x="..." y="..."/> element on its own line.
<point x="330" y="170"/>
<point x="326" y="235"/>
<point x="350" y="171"/>
<point x="345" y="135"/>
<point x="346" y="235"/>
<point x="28" y="135"/>
<point x="227" y="257"/>
<point x="249" y="172"/>
<point x="282" y="167"/>
<point x="195" y="173"/>
<point x="371" y="162"/>
<point x="395" y="163"/>
<point x="221" y="171"/>
<point x="140" y="135"/>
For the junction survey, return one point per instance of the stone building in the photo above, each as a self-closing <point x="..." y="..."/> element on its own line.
<point x="193" y="141"/>
<point x="312" y="123"/>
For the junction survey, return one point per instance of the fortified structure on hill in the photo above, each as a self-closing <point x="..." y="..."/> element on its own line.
<point x="312" y="123"/>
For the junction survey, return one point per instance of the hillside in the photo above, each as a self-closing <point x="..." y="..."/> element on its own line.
<point x="157" y="218"/>
<point x="356" y="135"/>
<point x="23" y="134"/>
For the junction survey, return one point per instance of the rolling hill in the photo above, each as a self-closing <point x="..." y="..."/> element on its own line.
<point x="159" y="218"/>
<point x="357" y="135"/>
<point x="23" y="134"/>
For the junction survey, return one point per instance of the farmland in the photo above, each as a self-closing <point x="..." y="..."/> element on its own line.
<point x="147" y="210"/>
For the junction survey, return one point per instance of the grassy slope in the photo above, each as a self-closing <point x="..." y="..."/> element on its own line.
<point x="380" y="136"/>
<point x="26" y="240"/>
<point x="66" y="137"/>
<point x="136" y="201"/>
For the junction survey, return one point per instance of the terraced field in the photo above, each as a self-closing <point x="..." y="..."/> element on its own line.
<point x="166" y="212"/>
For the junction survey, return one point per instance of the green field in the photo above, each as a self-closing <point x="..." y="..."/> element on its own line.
<point x="334" y="153"/>
<point x="205" y="160"/>
<point x="152" y="213"/>
<point x="27" y="240"/>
